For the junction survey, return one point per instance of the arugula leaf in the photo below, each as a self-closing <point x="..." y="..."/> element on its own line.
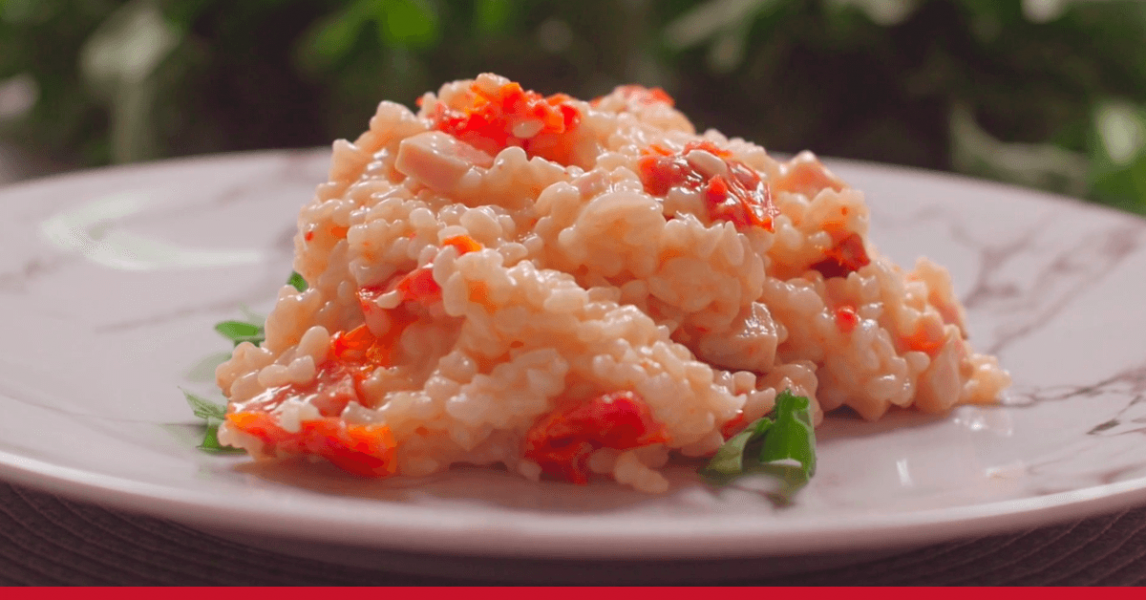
<point x="203" y="408"/>
<point x="211" y="441"/>
<point x="213" y="415"/>
<point x="780" y="445"/>
<point x="241" y="331"/>
<point x="792" y="437"/>
<point x="729" y="459"/>
<point x="297" y="281"/>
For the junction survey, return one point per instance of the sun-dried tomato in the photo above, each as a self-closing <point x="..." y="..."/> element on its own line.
<point x="562" y="441"/>
<point x="741" y="197"/>
<point x="846" y="256"/>
<point x="419" y="286"/>
<point x="364" y="450"/>
<point x="491" y="123"/>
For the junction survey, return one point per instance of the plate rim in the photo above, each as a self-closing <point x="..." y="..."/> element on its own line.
<point x="579" y="539"/>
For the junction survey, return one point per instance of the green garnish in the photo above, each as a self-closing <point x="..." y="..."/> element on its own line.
<point x="213" y="415"/>
<point x="729" y="459"/>
<point x="241" y="331"/>
<point x="297" y="281"/>
<point x="782" y="445"/>
<point x="205" y="409"/>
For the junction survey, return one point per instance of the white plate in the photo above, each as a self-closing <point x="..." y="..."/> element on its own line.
<point x="110" y="282"/>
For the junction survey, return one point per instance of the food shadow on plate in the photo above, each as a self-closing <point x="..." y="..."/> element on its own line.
<point x="495" y="487"/>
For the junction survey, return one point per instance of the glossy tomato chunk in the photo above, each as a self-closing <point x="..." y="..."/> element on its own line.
<point x="562" y="441"/>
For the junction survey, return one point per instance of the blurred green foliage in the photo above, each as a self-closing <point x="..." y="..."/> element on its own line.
<point x="1046" y="93"/>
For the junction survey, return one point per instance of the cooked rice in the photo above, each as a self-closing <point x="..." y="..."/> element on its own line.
<point x="585" y="283"/>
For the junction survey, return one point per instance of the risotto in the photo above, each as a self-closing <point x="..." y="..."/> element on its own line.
<point x="575" y="289"/>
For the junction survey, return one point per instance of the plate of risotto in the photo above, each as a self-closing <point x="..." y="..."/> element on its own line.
<point x="504" y="324"/>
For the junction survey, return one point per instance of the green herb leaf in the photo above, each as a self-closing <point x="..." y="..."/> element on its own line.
<point x="241" y="331"/>
<point x="203" y="408"/>
<point x="781" y="445"/>
<point x="213" y="415"/>
<point x="211" y="441"/>
<point x="729" y="459"/>
<point x="792" y="437"/>
<point x="297" y="281"/>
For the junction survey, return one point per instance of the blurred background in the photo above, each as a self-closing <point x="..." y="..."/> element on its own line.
<point x="1043" y="93"/>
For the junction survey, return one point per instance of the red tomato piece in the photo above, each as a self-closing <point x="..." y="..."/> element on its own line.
<point x="352" y="357"/>
<point x="489" y="123"/>
<point x="562" y="441"/>
<point x="570" y="117"/>
<point x="335" y="386"/>
<point x="360" y="347"/>
<point x="659" y="174"/>
<point x="351" y="346"/>
<point x="846" y="256"/>
<point x="419" y="286"/>
<point x="846" y="318"/>
<point x="741" y="198"/>
<point x="740" y="205"/>
<point x="734" y="425"/>
<point x="926" y="339"/>
<point x="364" y="450"/>
<point x="464" y="244"/>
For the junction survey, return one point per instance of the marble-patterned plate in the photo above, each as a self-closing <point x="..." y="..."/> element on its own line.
<point x="111" y="281"/>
